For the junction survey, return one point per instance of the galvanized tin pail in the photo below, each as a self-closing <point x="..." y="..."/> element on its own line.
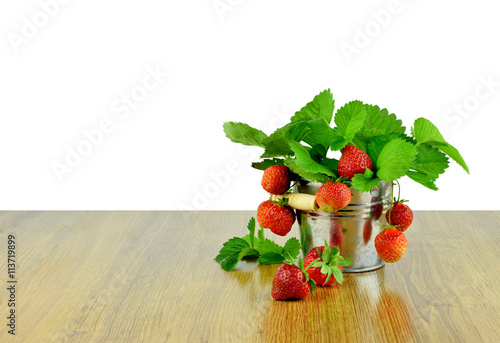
<point x="353" y="229"/>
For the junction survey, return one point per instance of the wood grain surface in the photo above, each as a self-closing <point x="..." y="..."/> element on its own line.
<point x="150" y="277"/>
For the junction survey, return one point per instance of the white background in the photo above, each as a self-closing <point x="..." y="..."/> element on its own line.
<point x="64" y="65"/>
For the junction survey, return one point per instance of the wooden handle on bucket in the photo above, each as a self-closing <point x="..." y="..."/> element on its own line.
<point x="299" y="201"/>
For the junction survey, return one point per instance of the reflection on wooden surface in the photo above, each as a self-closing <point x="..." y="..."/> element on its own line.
<point x="150" y="277"/>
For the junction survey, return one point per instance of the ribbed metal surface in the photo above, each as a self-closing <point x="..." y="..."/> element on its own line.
<point x="353" y="228"/>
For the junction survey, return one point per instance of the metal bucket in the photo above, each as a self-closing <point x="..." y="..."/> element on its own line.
<point x="353" y="229"/>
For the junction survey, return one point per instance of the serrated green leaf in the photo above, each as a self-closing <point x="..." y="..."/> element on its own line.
<point x="362" y="138"/>
<point x="376" y="144"/>
<point x="267" y="245"/>
<point x="271" y="258"/>
<point x="330" y="163"/>
<point x="244" y="134"/>
<point x="292" y="248"/>
<point x="228" y="256"/>
<point x="380" y="119"/>
<point x="349" y="118"/>
<point x="264" y="164"/>
<point x="233" y="245"/>
<point x="277" y="149"/>
<point x="322" y="131"/>
<point x="339" y="141"/>
<point x="297" y="131"/>
<point x="365" y="182"/>
<point x="423" y="179"/>
<point x="291" y="163"/>
<point x="306" y="163"/>
<point x="430" y="161"/>
<point x="426" y="132"/>
<point x="321" y="106"/>
<point x="395" y="159"/>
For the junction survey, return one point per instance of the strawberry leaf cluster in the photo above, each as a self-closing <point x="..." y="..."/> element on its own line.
<point x="303" y="143"/>
<point x="256" y="247"/>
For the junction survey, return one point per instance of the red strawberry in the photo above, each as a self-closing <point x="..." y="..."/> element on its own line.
<point x="367" y="231"/>
<point x="279" y="219"/>
<point x="353" y="161"/>
<point x="276" y="179"/>
<point x="289" y="282"/>
<point x="324" y="264"/>
<point x="391" y="244"/>
<point x="400" y="215"/>
<point x="262" y="211"/>
<point x="336" y="235"/>
<point x="332" y="196"/>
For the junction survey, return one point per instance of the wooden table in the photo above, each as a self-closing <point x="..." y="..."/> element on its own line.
<point x="150" y="277"/>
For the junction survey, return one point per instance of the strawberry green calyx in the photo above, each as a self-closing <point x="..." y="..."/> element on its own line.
<point x="328" y="263"/>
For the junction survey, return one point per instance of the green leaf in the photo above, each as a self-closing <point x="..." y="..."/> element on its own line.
<point x="267" y="245"/>
<point x="292" y="248"/>
<point x="229" y="255"/>
<point x="291" y="163"/>
<point x="376" y="145"/>
<point x="345" y="261"/>
<point x="395" y="159"/>
<point x="365" y="182"/>
<point x="377" y="123"/>
<point x="321" y="106"/>
<point x="423" y="179"/>
<point x="306" y="163"/>
<point x="330" y="163"/>
<point x="322" y="132"/>
<point x="426" y="132"/>
<point x="296" y="131"/>
<point x="430" y="161"/>
<point x="251" y="228"/>
<point x="349" y="118"/>
<point x="337" y="273"/>
<point x="271" y="258"/>
<point x="318" y="152"/>
<point x="380" y="119"/>
<point x="247" y="252"/>
<point x="244" y="134"/>
<point x="277" y="149"/>
<point x="260" y="234"/>
<point x="362" y="138"/>
<point x="264" y="164"/>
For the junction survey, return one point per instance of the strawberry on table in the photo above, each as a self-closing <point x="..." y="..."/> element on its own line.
<point x="332" y="196"/>
<point x="276" y="179"/>
<point x="400" y="215"/>
<point x="290" y="282"/>
<point x="353" y="161"/>
<point x="324" y="265"/>
<point x="391" y="244"/>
